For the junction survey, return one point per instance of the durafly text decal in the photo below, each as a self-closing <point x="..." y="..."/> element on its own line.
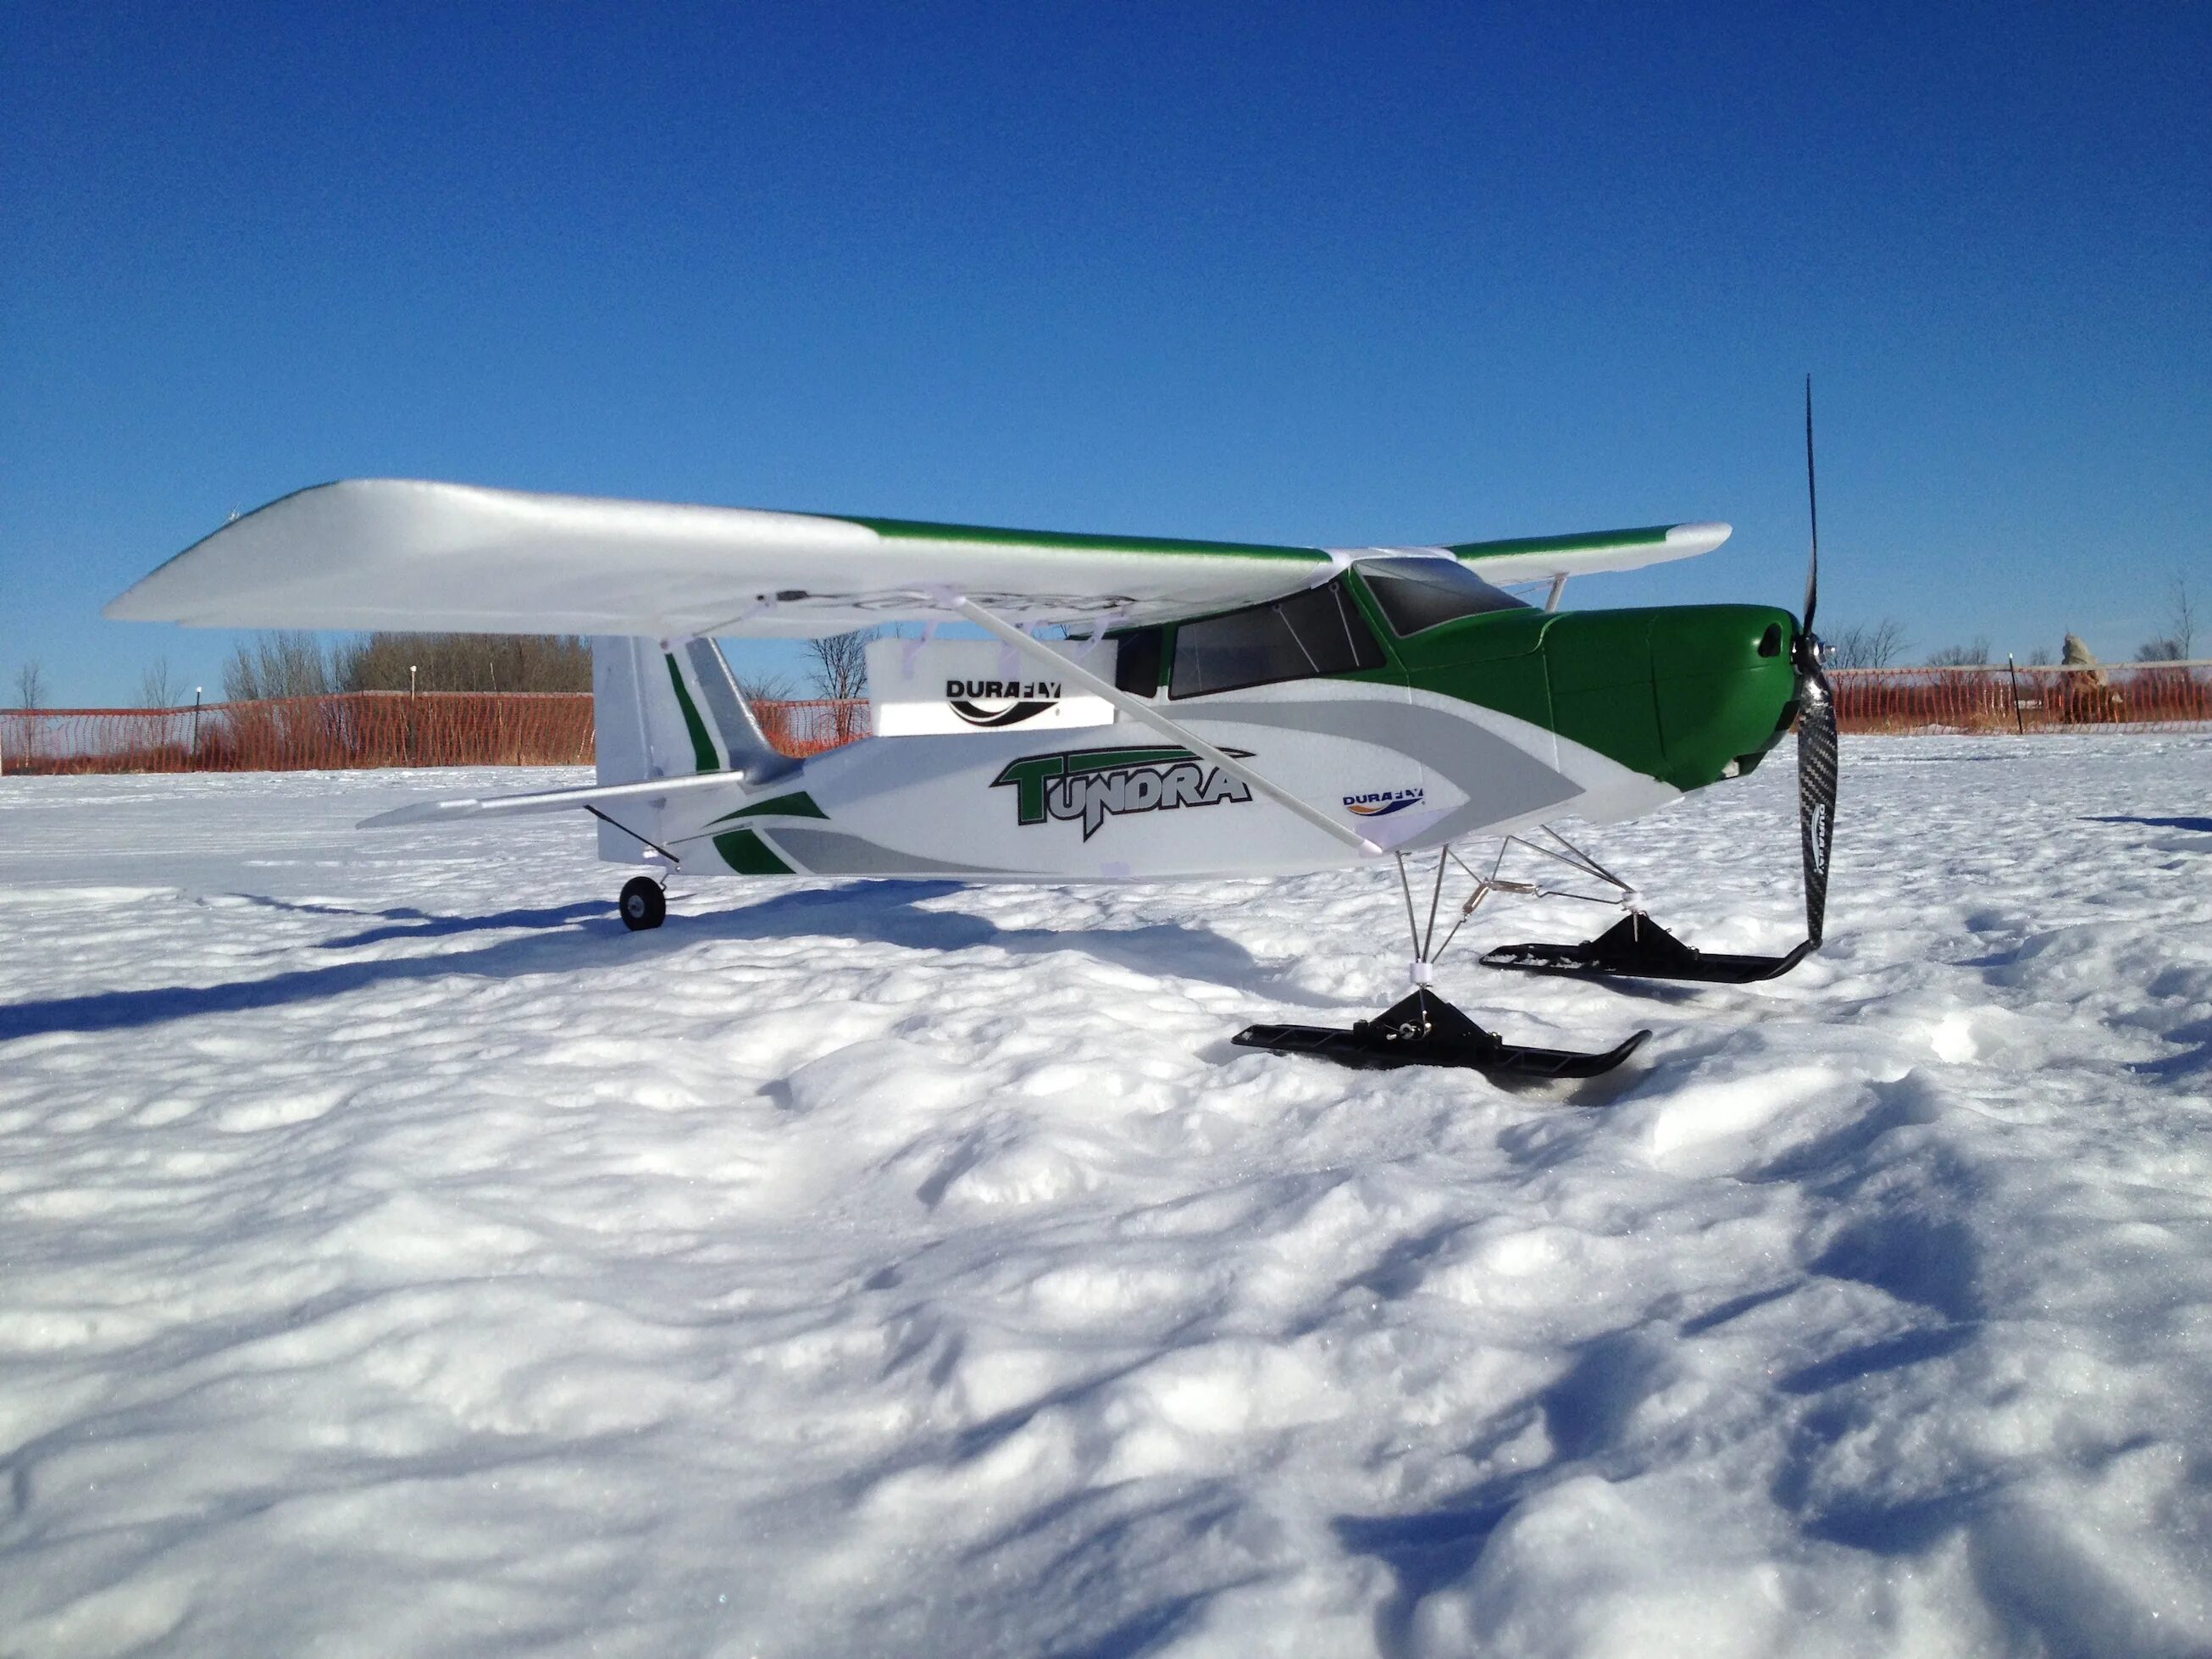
<point x="1030" y="699"/>
<point x="1381" y="803"/>
<point x="1095" y="784"/>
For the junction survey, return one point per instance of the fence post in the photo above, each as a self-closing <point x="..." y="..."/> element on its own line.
<point x="2018" y="720"/>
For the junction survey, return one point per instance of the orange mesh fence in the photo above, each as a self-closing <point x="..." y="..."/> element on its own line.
<point x="463" y="728"/>
<point x="2152" y="696"/>
<point x="799" y="727"/>
<point x="360" y="728"/>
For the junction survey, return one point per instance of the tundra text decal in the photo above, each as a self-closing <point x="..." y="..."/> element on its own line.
<point x="1092" y="784"/>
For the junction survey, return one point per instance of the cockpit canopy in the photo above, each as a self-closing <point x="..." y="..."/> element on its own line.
<point x="1309" y="635"/>
<point x="1417" y="594"/>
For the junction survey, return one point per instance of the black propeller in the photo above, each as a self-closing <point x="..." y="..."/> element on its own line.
<point x="1637" y="947"/>
<point x="1816" y="723"/>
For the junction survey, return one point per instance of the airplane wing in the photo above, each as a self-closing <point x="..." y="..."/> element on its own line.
<point x="410" y="557"/>
<point x="1544" y="558"/>
<point x="391" y="554"/>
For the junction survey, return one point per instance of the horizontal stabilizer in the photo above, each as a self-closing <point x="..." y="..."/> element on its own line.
<point x="545" y="800"/>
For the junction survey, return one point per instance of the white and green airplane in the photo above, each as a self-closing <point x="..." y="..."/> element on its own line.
<point x="1204" y="709"/>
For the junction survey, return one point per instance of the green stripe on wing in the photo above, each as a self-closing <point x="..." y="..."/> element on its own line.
<point x="1582" y="541"/>
<point x="916" y="530"/>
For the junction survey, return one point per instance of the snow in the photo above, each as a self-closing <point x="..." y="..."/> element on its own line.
<point x="398" y="1257"/>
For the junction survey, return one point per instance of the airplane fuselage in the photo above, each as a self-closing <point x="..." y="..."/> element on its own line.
<point x="1478" y="725"/>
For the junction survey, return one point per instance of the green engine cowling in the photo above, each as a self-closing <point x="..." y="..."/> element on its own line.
<point x="1689" y="693"/>
<point x="1686" y="694"/>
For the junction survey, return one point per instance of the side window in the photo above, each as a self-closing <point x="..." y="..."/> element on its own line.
<point x="1317" y="632"/>
<point x="1137" y="662"/>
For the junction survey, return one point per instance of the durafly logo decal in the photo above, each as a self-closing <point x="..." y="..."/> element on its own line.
<point x="1029" y="699"/>
<point x="1816" y="839"/>
<point x="1381" y="803"/>
<point x="1095" y="784"/>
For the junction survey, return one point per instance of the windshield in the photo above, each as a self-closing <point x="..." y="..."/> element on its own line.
<point x="1419" y="593"/>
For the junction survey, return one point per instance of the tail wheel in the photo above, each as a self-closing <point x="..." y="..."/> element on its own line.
<point x="643" y="903"/>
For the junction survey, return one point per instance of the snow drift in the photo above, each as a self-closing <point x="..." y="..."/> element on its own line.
<point x="400" y="1257"/>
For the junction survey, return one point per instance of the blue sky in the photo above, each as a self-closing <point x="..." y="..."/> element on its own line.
<point x="1323" y="275"/>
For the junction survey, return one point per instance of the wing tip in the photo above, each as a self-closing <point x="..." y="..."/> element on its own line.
<point x="1688" y="540"/>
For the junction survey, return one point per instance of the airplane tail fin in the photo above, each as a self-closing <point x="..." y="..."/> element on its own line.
<point x="670" y="713"/>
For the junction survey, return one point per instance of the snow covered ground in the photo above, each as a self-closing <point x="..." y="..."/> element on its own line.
<point x="398" y="1257"/>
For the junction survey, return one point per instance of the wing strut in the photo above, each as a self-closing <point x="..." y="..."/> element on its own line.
<point x="1138" y="709"/>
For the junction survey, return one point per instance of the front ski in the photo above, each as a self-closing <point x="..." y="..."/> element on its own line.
<point x="1424" y="1029"/>
<point x="1637" y="947"/>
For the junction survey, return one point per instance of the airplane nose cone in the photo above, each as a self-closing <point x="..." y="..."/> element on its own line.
<point x="1725" y="684"/>
<point x="1683" y="693"/>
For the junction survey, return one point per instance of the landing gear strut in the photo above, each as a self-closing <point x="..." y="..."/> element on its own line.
<point x="644" y="904"/>
<point x="1422" y="1029"/>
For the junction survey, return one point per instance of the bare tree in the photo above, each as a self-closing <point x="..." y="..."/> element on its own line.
<point x="1867" y="645"/>
<point x="841" y="664"/>
<point x="757" y="685"/>
<point x="2041" y="657"/>
<point x="840" y="671"/>
<point x="283" y="664"/>
<point x="2180" y="637"/>
<point x="30" y="686"/>
<point x="1975" y="655"/>
<point x="157" y="686"/>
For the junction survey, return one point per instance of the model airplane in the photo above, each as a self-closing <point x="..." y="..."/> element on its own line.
<point x="1212" y="709"/>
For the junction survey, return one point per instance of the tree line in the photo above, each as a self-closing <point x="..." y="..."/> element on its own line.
<point x="1884" y="644"/>
<point x="300" y="665"/>
<point x="303" y="665"/>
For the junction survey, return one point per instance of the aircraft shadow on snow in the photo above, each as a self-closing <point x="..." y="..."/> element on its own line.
<point x="883" y="912"/>
<point x="2202" y="826"/>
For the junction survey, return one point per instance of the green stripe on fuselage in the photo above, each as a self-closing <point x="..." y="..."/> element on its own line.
<point x="749" y="855"/>
<point x="798" y="804"/>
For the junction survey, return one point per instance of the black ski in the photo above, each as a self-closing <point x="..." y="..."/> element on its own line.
<point x="1637" y="947"/>
<point x="1424" y="1029"/>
